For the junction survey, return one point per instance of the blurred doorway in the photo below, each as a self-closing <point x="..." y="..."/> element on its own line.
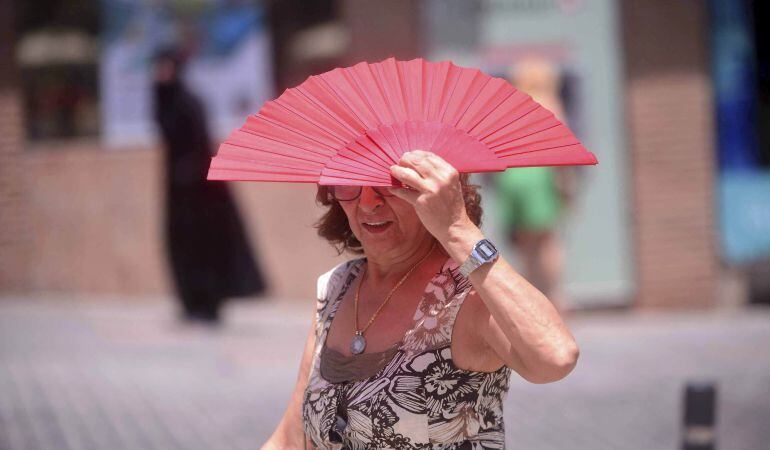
<point x="581" y="41"/>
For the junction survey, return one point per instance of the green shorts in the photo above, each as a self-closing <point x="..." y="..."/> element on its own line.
<point x="527" y="198"/>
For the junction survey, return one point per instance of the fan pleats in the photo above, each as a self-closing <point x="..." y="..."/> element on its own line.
<point x="349" y="125"/>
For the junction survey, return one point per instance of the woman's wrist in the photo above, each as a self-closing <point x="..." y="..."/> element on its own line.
<point x="460" y="239"/>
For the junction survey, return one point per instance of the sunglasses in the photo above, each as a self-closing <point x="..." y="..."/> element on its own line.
<point x="348" y="193"/>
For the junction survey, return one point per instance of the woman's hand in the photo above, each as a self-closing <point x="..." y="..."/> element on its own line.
<point x="436" y="192"/>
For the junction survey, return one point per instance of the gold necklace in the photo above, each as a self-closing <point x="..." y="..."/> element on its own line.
<point x="358" y="343"/>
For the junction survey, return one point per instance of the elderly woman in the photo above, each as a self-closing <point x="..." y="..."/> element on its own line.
<point x="412" y="345"/>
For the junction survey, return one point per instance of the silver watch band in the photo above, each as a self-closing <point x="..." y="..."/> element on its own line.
<point x="470" y="264"/>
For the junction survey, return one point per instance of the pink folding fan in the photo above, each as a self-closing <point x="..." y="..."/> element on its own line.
<point x="348" y="126"/>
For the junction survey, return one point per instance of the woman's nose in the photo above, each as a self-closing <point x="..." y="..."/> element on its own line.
<point x="370" y="199"/>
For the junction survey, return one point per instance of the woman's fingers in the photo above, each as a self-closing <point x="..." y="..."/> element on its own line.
<point x="437" y="195"/>
<point x="409" y="177"/>
<point x="410" y="195"/>
<point x="416" y="160"/>
<point x="427" y="164"/>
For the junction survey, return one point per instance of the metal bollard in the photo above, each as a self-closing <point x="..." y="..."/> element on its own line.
<point x="699" y="416"/>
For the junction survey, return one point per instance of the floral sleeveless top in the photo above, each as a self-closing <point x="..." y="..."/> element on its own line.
<point x="419" y="399"/>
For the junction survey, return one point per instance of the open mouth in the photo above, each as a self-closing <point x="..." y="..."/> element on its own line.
<point x="376" y="227"/>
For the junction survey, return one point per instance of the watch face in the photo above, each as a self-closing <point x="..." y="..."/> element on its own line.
<point x="486" y="249"/>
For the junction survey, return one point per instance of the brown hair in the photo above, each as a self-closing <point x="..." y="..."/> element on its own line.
<point x="333" y="225"/>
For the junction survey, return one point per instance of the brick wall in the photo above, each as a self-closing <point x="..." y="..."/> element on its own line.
<point x="670" y="117"/>
<point x="14" y="223"/>
<point x="95" y="218"/>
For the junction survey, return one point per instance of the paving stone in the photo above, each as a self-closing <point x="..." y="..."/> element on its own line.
<point x="118" y="375"/>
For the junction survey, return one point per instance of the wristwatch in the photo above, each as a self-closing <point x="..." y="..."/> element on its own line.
<point x="484" y="252"/>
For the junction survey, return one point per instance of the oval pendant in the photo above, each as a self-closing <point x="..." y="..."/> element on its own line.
<point x="357" y="344"/>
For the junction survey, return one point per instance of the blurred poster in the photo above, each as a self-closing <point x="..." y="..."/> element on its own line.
<point x="229" y="68"/>
<point x="578" y="40"/>
<point x="734" y="85"/>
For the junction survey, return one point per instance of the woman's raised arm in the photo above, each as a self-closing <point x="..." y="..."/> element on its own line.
<point x="520" y="324"/>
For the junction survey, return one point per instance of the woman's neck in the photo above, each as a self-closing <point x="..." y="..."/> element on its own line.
<point x="388" y="270"/>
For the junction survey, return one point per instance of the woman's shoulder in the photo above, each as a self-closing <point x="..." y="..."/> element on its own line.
<point x="329" y="285"/>
<point x="333" y="277"/>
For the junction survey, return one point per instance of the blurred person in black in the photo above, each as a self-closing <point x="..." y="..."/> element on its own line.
<point x="208" y="249"/>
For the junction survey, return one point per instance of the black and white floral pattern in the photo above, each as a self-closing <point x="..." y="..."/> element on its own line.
<point x="418" y="400"/>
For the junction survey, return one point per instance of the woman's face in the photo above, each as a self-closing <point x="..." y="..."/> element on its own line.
<point x="386" y="226"/>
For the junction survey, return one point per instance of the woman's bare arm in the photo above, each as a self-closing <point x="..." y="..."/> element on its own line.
<point x="289" y="433"/>
<point x="521" y="325"/>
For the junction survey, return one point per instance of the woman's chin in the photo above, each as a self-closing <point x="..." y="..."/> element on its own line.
<point x="379" y="243"/>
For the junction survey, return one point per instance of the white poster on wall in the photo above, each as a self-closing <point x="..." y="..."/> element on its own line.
<point x="229" y="69"/>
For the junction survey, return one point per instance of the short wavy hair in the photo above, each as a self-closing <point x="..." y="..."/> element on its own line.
<point x="333" y="225"/>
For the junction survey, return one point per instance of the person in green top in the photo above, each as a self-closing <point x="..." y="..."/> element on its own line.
<point x="532" y="200"/>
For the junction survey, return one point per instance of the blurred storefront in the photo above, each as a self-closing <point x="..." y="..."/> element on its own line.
<point x="578" y="40"/>
<point x="79" y="175"/>
<point x="741" y="69"/>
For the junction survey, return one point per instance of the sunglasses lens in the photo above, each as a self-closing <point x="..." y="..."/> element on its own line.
<point x="345" y="193"/>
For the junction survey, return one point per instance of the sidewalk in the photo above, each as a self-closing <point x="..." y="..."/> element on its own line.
<point x="111" y="374"/>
